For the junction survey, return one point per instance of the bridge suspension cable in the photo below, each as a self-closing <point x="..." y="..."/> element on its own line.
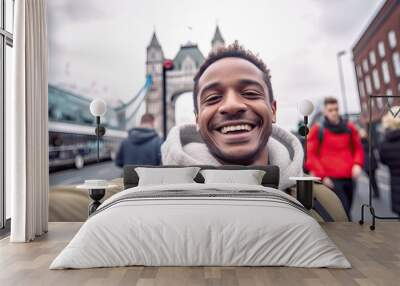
<point x="131" y="108"/>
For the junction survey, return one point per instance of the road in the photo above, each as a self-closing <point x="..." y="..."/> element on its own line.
<point x="108" y="171"/>
<point x="104" y="171"/>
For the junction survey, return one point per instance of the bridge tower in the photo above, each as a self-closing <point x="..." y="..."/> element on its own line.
<point x="179" y="80"/>
<point x="154" y="62"/>
<point x="217" y="41"/>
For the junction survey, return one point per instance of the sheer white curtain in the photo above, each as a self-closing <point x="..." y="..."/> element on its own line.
<point x="27" y="132"/>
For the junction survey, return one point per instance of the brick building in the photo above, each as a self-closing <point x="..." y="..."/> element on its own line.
<point x="376" y="57"/>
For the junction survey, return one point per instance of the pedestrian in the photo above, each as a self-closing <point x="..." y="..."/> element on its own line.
<point x="370" y="169"/>
<point x="143" y="145"/>
<point x="335" y="153"/>
<point x="389" y="151"/>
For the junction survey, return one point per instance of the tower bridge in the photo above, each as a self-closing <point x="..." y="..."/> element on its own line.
<point x="180" y="80"/>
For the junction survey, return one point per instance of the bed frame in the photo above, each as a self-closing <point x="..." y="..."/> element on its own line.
<point x="270" y="179"/>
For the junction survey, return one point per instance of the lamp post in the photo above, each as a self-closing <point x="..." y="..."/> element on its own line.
<point x="98" y="108"/>
<point x="341" y="79"/>
<point x="305" y="108"/>
<point x="304" y="185"/>
<point x="167" y="65"/>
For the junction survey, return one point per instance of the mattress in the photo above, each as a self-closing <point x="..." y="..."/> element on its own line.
<point x="201" y="225"/>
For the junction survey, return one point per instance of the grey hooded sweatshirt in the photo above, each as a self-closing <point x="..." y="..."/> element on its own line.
<point x="184" y="146"/>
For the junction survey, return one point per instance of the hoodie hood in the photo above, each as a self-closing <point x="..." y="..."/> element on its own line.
<point x="184" y="146"/>
<point x="141" y="135"/>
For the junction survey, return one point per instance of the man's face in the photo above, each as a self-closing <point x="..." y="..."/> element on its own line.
<point x="234" y="112"/>
<point x="331" y="111"/>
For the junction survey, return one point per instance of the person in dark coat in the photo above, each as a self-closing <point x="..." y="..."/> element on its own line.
<point x="390" y="155"/>
<point x="370" y="169"/>
<point x="143" y="145"/>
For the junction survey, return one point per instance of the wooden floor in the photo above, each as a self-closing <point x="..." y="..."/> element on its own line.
<point x="374" y="255"/>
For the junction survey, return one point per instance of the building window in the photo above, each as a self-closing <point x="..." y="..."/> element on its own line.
<point x="6" y="43"/>
<point x="379" y="101"/>
<point x="392" y="39"/>
<point x="361" y="87"/>
<point x="375" y="78"/>
<point x="188" y="67"/>
<point x="188" y="64"/>
<point x="381" y="49"/>
<point x="372" y="58"/>
<point x="365" y="65"/>
<point x="389" y="93"/>
<point x="365" y="106"/>
<point x="368" y="84"/>
<point x="398" y="93"/>
<point x="396" y="63"/>
<point x="385" y="72"/>
<point x="359" y="71"/>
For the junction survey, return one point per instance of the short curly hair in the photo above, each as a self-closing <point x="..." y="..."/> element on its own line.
<point x="237" y="51"/>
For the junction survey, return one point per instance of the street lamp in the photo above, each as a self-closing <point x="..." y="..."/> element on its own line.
<point x="304" y="185"/>
<point x="98" y="108"/>
<point x="341" y="78"/>
<point x="167" y="65"/>
<point x="305" y="108"/>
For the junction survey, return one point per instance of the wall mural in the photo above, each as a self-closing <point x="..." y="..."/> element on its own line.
<point x="192" y="95"/>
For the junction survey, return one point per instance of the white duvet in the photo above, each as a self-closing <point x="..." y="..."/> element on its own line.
<point x="207" y="230"/>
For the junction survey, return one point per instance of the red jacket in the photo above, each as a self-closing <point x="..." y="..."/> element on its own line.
<point x="336" y="155"/>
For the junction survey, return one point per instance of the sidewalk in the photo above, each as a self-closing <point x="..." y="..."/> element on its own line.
<point x="382" y="205"/>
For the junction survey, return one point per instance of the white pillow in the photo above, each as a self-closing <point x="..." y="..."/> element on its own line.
<point x="248" y="177"/>
<point x="163" y="176"/>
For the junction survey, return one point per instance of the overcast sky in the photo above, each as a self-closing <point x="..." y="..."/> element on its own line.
<point x="98" y="47"/>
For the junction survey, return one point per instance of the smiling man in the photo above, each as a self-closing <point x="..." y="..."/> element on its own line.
<point x="235" y="110"/>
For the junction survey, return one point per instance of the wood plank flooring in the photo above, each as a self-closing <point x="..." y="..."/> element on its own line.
<point x="375" y="257"/>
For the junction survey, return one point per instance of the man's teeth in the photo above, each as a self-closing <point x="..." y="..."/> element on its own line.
<point x="231" y="128"/>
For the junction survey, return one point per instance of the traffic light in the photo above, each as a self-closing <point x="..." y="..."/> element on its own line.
<point x="167" y="65"/>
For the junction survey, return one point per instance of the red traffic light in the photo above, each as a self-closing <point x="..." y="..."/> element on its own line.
<point x="168" y="64"/>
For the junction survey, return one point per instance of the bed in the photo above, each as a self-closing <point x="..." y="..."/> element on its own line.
<point x="201" y="224"/>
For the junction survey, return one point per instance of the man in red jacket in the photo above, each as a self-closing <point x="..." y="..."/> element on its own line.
<point x="335" y="153"/>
